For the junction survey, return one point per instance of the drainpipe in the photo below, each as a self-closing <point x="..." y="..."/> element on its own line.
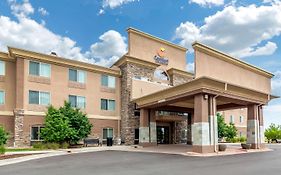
<point x="215" y="124"/>
<point x="258" y="126"/>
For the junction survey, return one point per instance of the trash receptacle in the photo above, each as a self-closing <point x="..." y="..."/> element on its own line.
<point x="109" y="141"/>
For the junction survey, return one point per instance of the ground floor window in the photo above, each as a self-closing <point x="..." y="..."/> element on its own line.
<point x="35" y="133"/>
<point x="107" y="132"/>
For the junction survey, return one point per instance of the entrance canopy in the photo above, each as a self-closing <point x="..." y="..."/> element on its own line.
<point x="181" y="98"/>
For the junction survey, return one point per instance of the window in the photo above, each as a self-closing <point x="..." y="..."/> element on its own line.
<point x="77" y="101"/>
<point x="108" y="81"/>
<point x="39" y="69"/>
<point x="241" y="119"/>
<point x="2" y="97"/>
<point x="35" y="133"/>
<point x="40" y="98"/>
<point x="107" y="132"/>
<point x="77" y="75"/>
<point x="2" y="68"/>
<point x="108" y="104"/>
<point x="231" y="119"/>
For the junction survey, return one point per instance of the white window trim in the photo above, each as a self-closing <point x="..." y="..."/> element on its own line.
<point x="40" y="97"/>
<point x="4" y="72"/>
<point x="39" y="126"/>
<point x="4" y="94"/>
<point x="39" y="69"/>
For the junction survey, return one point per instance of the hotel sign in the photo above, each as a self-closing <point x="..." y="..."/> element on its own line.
<point x="160" y="57"/>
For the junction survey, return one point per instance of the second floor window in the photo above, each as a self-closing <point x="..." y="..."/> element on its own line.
<point x="108" y="81"/>
<point x="2" y="97"/>
<point x="77" y="101"/>
<point x="108" y="105"/>
<point x="77" y="75"/>
<point x="40" y="98"/>
<point x="39" y="69"/>
<point x="231" y="119"/>
<point x="241" y="119"/>
<point x="2" y="68"/>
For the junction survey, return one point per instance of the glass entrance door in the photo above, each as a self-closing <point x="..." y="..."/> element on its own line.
<point x="162" y="134"/>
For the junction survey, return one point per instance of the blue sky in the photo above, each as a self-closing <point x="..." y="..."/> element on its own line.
<point x="95" y="31"/>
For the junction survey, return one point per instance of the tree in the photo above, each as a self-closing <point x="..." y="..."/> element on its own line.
<point x="273" y="132"/>
<point x="225" y="130"/>
<point x="3" y="136"/>
<point x="221" y="126"/>
<point x="65" y="124"/>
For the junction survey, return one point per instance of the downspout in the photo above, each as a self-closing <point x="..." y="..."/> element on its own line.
<point x="149" y="129"/>
<point x="258" y="126"/>
<point x="215" y="124"/>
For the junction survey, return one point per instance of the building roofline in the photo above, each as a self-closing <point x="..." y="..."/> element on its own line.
<point x="16" y="52"/>
<point x="181" y="72"/>
<point x="126" y="58"/>
<point x="218" y="54"/>
<point x="133" y="30"/>
<point x="5" y="57"/>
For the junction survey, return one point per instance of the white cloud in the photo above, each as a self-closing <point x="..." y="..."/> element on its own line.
<point x="101" y="12"/>
<point x="190" y="67"/>
<point x="115" y="3"/>
<point x="21" y="10"/>
<point x="27" y="33"/>
<point x="206" y="3"/>
<point x="43" y="11"/>
<point x="111" y="46"/>
<point x="238" y="31"/>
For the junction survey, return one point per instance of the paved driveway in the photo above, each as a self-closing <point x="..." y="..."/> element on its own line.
<point x="126" y="163"/>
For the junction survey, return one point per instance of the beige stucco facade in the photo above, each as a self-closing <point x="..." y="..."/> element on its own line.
<point x="156" y="99"/>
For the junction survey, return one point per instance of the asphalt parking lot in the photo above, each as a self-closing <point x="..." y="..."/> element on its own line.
<point x="117" y="163"/>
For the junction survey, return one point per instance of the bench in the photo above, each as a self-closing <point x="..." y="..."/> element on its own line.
<point x="91" y="141"/>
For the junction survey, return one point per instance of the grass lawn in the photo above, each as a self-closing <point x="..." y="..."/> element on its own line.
<point x="22" y="149"/>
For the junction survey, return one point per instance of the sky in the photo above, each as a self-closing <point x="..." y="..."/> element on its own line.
<point x="94" y="31"/>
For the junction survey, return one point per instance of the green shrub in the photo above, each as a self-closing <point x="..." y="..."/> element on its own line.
<point x="3" y="136"/>
<point x="2" y="149"/>
<point x="64" y="145"/>
<point x="53" y="145"/>
<point x="39" y="145"/>
<point x="243" y="139"/>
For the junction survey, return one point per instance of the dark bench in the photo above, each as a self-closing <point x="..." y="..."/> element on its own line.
<point x="91" y="141"/>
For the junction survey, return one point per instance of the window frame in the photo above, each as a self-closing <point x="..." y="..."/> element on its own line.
<point x="108" y="77"/>
<point x="241" y="119"/>
<point x="107" y="104"/>
<point x="4" y="68"/>
<point x="39" y="98"/>
<point x="38" y="133"/>
<point x="39" y="72"/>
<point x="4" y="97"/>
<point x="77" y="75"/>
<point x="107" y="132"/>
<point x="231" y="119"/>
<point x="76" y="101"/>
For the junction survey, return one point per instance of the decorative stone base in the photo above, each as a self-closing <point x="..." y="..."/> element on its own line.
<point x="203" y="149"/>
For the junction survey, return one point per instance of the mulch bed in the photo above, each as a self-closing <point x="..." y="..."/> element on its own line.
<point x="2" y="156"/>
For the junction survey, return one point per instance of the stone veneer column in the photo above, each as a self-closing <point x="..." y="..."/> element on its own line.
<point x="252" y="126"/>
<point x="201" y="126"/>
<point x="147" y="129"/>
<point x="19" y="133"/>
<point x="129" y="122"/>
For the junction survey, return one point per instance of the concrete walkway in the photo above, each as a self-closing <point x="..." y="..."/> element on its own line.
<point x="185" y="150"/>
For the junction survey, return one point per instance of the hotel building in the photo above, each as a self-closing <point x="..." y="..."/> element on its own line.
<point x="147" y="97"/>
